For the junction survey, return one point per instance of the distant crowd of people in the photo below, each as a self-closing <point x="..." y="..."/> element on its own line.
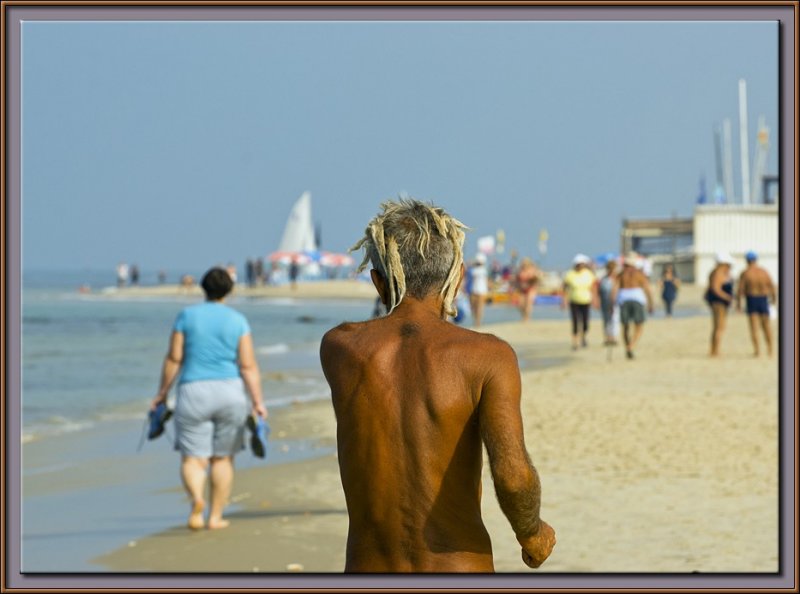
<point x="621" y="290"/>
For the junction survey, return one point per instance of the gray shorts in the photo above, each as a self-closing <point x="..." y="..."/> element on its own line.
<point x="632" y="311"/>
<point x="210" y="417"/>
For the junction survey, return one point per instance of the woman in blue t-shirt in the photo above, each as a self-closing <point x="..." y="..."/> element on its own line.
<point x="211" y="353"/>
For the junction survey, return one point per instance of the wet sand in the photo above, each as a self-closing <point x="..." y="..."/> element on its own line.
<point x="664" y="464"/>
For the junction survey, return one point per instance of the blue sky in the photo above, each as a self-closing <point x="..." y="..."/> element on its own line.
<point x="182" y="145"/>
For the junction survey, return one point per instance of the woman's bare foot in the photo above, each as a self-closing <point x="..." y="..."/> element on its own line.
<point x="196" y="521"/>
<point x="215" y="524"/>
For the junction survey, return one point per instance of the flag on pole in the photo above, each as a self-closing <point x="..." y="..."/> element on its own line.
<point x="543" y="237"/>
<point x="501" y="241"/>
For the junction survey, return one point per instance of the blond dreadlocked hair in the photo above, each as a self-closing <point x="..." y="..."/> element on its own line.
<point x="417" y="247"/>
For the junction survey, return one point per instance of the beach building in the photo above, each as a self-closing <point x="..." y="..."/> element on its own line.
<point x="736" y="229"/>
<point x="661" y="241"/>
<point x="691" y="244"/>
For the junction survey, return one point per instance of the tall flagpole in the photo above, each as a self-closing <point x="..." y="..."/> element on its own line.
<point x="743" y="146"/>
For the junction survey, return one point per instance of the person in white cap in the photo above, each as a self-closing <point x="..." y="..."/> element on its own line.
<point x="632" y="293"/>
<point x="758" y="290"/>
<point x="478" y="288"/>
<point x="580" y="291"/>
<point x="719" y="297"/>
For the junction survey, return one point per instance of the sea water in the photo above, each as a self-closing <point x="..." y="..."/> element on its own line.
<point x="90" y="358"/>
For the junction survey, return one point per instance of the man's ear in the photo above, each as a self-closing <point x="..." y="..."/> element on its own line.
<point x="380" y="285"/>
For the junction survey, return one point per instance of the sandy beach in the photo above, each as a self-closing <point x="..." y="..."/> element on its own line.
<point x="664" y="464"/>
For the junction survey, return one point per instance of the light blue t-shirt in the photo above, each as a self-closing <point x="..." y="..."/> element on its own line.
<point x="211" y="333"/>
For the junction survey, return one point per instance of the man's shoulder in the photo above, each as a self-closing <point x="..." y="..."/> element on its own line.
<point x="344" y="331"/>
<point x="488" y="345"/>
<point x="762" y="271"/>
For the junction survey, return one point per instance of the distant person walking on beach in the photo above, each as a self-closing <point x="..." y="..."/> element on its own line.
<point x="605" y="288"/>
<point x="756" y="286"/>
<point x="632" y="293"/>
<point x="294" y="271"/>
<point x="250" y="272"/>
<point x="122" y="274"/>
<point x="478" y="288"/>
<point x="669" y="288"/>
<point x="526" y="281"/>
<point x="580" y="292"/>
<point x="212" y="348"/>
<point x="414" y="397"/>
<point x="231" y="268"/>
<point x="719" y="297"/>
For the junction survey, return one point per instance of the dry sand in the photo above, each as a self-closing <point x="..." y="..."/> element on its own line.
<point x="665" y="464"/>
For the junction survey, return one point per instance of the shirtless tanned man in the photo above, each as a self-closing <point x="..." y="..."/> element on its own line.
<point x="632" y="292"/>
<point x="756" y="286"/>
<point x="415" y="396"/>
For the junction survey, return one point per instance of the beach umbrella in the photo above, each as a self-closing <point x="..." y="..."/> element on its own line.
<point x="284" y="257"/>
<point x="334" y="260"/>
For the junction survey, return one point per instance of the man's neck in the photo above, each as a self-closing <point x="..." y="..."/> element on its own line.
<point x="431" y="306"/>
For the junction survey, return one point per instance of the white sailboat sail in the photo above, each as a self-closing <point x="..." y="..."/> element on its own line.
<point x="298" y="235"/>
<point x="299" y="242"/>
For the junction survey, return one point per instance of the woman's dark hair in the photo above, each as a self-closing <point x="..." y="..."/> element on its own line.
<point x="216" y="283"/>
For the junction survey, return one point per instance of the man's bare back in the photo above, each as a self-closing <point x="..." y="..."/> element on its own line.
<point x="756" y="282"/>
<point x="416" y="398"/>
<point x="630" y="278"/>
<point x="412" y="393"/>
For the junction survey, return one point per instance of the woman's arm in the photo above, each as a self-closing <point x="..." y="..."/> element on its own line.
<point x="248" y="367"/>
<point x="170" y="368"/>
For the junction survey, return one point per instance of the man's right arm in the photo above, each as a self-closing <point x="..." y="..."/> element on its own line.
<point x="773" y="292"/>
<point x="515" y="479"/>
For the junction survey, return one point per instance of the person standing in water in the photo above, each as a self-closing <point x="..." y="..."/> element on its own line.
<point x="415" y="397"/>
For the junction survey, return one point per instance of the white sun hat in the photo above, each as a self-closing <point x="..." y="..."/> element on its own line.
<point x="724" y="258"/>
<point x="581" y="259"/>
